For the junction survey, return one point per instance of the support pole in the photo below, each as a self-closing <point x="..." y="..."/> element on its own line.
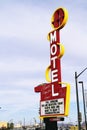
<point x="50" y="125"/>
<point x="84" y="103"/>
<point x="77" y="98"/>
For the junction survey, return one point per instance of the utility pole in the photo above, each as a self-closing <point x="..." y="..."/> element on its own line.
<point x="77" y="96"/>
<point x="81" y="82"/>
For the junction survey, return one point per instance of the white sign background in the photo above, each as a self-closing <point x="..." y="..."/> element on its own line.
<point x="51" y="107"/>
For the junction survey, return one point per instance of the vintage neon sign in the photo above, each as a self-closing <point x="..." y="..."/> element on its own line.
<point x="54" y="99"/>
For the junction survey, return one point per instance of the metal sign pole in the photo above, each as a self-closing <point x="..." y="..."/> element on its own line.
<point x="77" y="97"/>
<point x="49" y="125"/>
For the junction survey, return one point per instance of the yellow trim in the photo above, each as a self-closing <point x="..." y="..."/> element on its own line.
<point x="64" y="20"/>
<point x="62" y="50"/>
<point x="67" y="97"/>
<point x="63" y="23"/>
<point x="41" y="117"/>
<point x="47" y="73"/>
<point x="49" y="67"/>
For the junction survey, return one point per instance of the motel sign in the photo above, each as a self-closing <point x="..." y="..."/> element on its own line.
<point x="55" y="94"/>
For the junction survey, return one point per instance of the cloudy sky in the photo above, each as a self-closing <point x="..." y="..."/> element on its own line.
<point x="25" y="54"/>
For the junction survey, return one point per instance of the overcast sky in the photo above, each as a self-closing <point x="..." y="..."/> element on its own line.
<point x="25" y="54"/>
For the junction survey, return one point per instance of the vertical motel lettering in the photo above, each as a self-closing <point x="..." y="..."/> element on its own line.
<point x="55" y="62"/>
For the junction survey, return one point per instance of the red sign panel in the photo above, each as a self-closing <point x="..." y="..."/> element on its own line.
<point x="53" y="96"/>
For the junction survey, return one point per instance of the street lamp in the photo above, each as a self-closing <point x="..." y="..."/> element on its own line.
<point x="81" y="82"/>
<point x="77" y="97"/>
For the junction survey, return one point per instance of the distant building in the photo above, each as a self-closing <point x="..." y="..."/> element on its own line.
<point x="3" y="124"/>
<point x="18" y="126"/>
<point x="73" y="127"/>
